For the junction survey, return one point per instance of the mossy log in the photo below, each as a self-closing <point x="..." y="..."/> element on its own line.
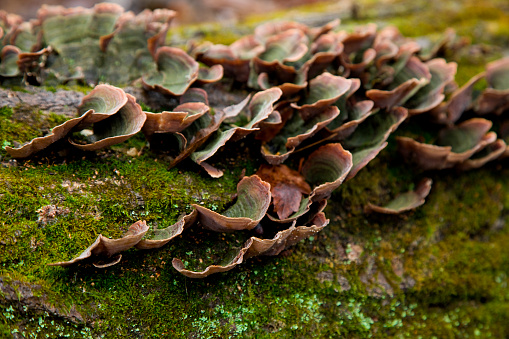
<point x="441" y="270"/>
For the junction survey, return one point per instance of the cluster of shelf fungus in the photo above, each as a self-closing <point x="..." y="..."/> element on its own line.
<point x="337" y="95"/>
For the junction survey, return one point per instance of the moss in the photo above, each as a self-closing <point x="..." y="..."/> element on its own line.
<point x="69" y="87"/>
<point x="12" y="129"/>
<point x="145" y="107"/>
<point x="213" y="32"/>
<point x="19" y="125"/>
<point x="217" y="34"/>
<point x="16" y="88"/>
<point x="125" y="181"/>
<point x="270" y="296"/>
<point x="54" y="119"/>
<point x="6" y="112"/>
<point x="483" y="22"/>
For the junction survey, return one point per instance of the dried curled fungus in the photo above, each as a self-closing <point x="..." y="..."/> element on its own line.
<point x="255" y="247"/>
<point x="259" y="109"/>
<point x="288" y="188"/>
<point x="329" y="96"/>
<point x="176" y="121"/>
<point x="495" y="98"/>
<point x="114" y="114"/>
<point x="326" y="169"/>
<point x="406" y="201"/>
<point x="176" y="71"/>
<point x="108" y="249"/>
<point x="454" y="145"/>
<point x="160" y="237"/>
<point x="253" y="200"/>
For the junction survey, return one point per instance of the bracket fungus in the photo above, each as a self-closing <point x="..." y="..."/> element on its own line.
<point x="352" y="112"/>
<point x="234" y="59"/>
<point x="108" y="249"/>
<point x="454" y="145"/>
<point x="288" y="187"/>
<point x="260" y="107"/>
<point x="407" y="81"/>
<point x="450" y="111"/>
<point x="406" y="201"/>
<point x="360" y="158"/>
<point x="41" y="143"/>
<point x="493" y="151"/>
<point x="9" y="66"/>
<point x="160" y="237"/>
<point x="196" y="135"/>
<point x="495" y="98"/>
<point x="74" y="34"/>
<point x="294" y="132"/>
<point x="85" y="44"/>
<point x="172" y="122"/>
<point x="375" y="129"/>
<point x="115" y="117"/>
<point x="253" y="200"/>
<point x="120" y="126"/>
<point x="255" y="247"/>
<point x="327" y="102"/>
<point x="175" y="72"/>
<point x="324" y="90"/>
<point x="326" y="168"/>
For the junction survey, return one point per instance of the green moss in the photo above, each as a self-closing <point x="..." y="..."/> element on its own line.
<point x="266" y="297"/>
<point x="483" y="22"/>
<point x="6" y="112"/>
<point x="145" y="107"/>
<point x="12" y="129"/>
<point x="20" y="125"/>
<point x="70" y="87"/>
<point x="106" y="200"/>
<point x="213" y="32"/>
<point x="54" y="119"/>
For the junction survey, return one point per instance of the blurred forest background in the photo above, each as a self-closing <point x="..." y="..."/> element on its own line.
<point x="189" y="11"/>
